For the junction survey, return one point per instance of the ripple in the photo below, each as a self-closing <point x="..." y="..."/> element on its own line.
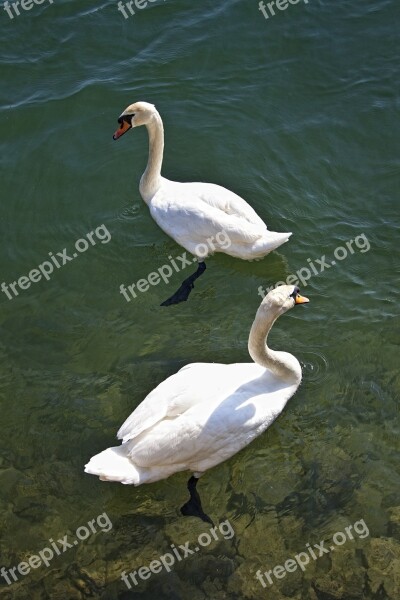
<point x="315" y="367"/>
<point x="129" y="213"/>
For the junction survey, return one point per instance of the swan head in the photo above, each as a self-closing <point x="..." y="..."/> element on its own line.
<point x="139" y="113"/>
<point x="283" y="298"/>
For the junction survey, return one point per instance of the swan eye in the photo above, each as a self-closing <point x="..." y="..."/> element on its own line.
<point x="126" y="118"/>
<point x="294" y="293"/>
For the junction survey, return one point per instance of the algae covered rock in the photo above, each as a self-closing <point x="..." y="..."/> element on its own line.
<point x="394" y="522"/>
<point x="345" y="579"/>
<point x="383" y="560"/>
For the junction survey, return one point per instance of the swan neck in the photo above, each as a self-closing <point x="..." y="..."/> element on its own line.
<point x="151" y="178"/>
<point x="282" y="364"/>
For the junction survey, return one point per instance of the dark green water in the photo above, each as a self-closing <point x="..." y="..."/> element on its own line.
<point x="299" y="115"/>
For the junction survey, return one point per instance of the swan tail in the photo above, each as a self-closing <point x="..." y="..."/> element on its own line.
<point x="261" y="247"/>
<point x="271" y="241"/>
<point x="113" y="464"/>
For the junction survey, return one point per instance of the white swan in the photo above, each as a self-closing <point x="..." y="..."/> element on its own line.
<point x="202" y="217"/>
<point x="206" y="412"/>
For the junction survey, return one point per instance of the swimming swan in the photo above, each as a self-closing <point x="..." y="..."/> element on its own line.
<point x="198" y="216"/>
<point x="205" y="413"/>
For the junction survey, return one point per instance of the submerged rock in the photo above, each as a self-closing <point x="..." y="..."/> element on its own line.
<point x="345" y="579"/>
<point x="394" y="522"/>
<point x="383" y="560"/>
<point x="30" y="509"/>
<point x="9" y="479"/>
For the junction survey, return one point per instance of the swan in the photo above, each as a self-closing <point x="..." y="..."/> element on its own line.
<point x="203" y="218"/>
<point x="206" y="412"/>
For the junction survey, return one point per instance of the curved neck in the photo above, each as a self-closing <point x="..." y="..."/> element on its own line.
<point x="282" y="364"/>
<point x="151" y="178"/>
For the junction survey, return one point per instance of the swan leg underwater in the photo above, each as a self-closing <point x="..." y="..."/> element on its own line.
<point x="193" y="507"/>
<point x="182" y="293"/>
<point x="195" y="214"/>
<point x="206" y="412"/>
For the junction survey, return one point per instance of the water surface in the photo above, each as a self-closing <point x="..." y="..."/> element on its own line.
<point x="299" y="115"/>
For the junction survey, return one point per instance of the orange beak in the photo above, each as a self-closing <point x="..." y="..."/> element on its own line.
<point x="124" y="127"/>
<point x="301" y="299"/>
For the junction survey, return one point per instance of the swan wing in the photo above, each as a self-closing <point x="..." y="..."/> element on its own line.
<point x="195" y="213"/>
<point x="171" y="398"/>
<point x="228" y="202"/>
<point x="212" y="431"/>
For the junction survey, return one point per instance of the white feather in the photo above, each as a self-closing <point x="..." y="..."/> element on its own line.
<point x="192" y="213"/>
<point x="205" y="413"/>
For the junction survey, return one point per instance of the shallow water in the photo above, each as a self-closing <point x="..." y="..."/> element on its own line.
<point x="298" y="115"/>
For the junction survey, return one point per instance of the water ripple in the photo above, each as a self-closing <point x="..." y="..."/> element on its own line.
<point x="315" y="367"/>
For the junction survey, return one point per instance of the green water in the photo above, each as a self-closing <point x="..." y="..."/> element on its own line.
<point x="297" y="114"/>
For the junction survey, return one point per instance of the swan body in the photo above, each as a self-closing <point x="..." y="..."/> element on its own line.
<point x="194" y="213"/>
<point x="206" y="413"/>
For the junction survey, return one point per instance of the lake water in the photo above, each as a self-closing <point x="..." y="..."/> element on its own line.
<point x="297" y="113"/>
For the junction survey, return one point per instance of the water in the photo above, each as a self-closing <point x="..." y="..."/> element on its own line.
<point x="297" y="114"/>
